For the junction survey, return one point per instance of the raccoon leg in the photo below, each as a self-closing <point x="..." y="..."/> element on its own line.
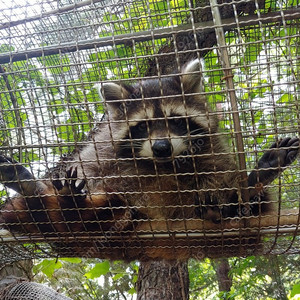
<point x="85" y="210"/>
<point x="16" y="177"/>
<point x="281" y="154"/>
<point x="71" y="198"/>
<point x="20" y="212"/>
<point x="269" y="167"/>
<point x="37" y="208"/>
<point x="49" y="206"/>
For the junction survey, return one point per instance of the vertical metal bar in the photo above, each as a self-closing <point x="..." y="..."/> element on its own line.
<point x="224" y="58"/>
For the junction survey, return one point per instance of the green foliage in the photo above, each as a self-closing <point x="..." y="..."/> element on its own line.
<point x="203" y="279"/>
<point x="98" y="270"/>
<point x="6" y="48"/>
<point x="295" y="290"/>
<point x="56" y="64"/>
<point x="88" y="278"/>
<point x="253" y="278"/>
<point x="47" y="266"/>
<point x="140" y="16"/>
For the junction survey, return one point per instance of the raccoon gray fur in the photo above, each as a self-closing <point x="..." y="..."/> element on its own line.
<point x="158" y="155"/>
<point x="165" y="151"/>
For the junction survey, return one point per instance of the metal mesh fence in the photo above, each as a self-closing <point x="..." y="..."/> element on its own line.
<point x="121" y="199"/>
<point x="33" y="291"/>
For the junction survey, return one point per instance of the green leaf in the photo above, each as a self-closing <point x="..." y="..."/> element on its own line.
<point x="257" y="116"/>
<point x="73" y="260"/>
<point x="132" y="291"/>
<point x="286" y="98"/>
<point x="118" y="276"/>
<point x="98" y="270"/>
<point x="6" y="48"/>
<point x="295" y="290"/>
<point x="65" y="132"/>
<point x="134" y="278"/>
<point x="47" y="266"/>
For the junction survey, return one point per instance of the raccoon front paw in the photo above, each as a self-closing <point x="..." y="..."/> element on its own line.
<point x="209" y="209"/>
<point x="212" y="213"/>
<point x="280" y="155"/>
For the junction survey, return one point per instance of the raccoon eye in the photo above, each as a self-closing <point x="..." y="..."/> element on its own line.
<point x="178" y="122"/>
<point x="142" y="126"/>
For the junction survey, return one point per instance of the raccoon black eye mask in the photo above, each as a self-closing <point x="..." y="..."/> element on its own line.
<point x="170" y="138"/>
<point x="158" y="155"/>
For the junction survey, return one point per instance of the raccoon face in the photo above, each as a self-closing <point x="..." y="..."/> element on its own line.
<point x="159" y="118"/>
<point x="162" y="137"/>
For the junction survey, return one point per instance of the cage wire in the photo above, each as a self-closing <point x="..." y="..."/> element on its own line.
<point x="31" y="291"/>
<point x="52" y="53"/>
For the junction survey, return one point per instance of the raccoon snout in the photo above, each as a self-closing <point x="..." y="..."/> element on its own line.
<point x="162" y="148"/>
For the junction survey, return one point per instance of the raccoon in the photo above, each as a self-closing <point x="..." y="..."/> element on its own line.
<point x="158" y="155"/>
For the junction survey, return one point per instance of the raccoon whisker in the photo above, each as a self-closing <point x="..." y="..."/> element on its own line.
<point x="131" y="145"/>
<point x="197" y="131"/>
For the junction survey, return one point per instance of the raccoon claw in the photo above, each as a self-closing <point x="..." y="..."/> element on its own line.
<point x="209" y="210"/>
<point x="280" y="155"/>
<point x="71" y="183"/>
<point x="76" y="185"/>
<point x="58" y="184"/>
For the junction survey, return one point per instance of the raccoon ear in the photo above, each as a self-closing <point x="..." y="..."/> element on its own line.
<point x="192" y="77"/>
<point x="114" y="96"/>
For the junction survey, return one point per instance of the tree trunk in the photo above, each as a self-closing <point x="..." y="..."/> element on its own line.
<point x="14" y="273"/>
<point x="165" y="279"/>
<point x="222" y="269"/>
<point x="22" y="269"/>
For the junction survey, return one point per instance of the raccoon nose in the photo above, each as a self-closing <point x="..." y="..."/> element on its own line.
<point x="162" y="148"/>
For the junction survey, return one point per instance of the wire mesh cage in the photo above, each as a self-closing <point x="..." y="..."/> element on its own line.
<point x="32" y="291"/>
<point x="149" y="129"/>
